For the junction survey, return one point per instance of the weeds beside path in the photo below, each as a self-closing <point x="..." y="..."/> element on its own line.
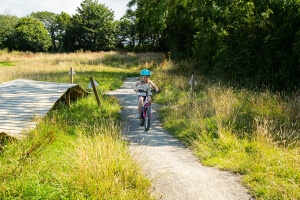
<point x="174" y="171"/>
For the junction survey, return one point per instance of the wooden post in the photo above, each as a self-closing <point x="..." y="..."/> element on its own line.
<point x="68" y="95"/>
<point x="71" y="74"/>
<point x="192" y="86"/>
<point x="95" y="91"/>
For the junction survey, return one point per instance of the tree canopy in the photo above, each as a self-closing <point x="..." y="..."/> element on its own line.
<point x="92" y="28"/>
<point x="238" y="40"/>
<point x="30" y="35"/>
<point x="7" y="26"/>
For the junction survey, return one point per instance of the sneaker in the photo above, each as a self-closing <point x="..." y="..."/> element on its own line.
<point x="137" y="116"/>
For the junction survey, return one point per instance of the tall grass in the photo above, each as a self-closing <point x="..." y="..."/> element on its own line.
<point x="247" y="132"/>
<point x="76" y="152"/>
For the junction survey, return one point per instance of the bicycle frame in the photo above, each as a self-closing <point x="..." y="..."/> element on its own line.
<point x="146" y="114"/>
<point x="145" y="106"/>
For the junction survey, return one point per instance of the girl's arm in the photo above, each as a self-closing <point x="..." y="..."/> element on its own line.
<point x="153" y="85"/>
<point x="135" y="86"/>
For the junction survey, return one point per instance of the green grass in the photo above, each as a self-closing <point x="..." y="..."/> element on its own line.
<point x="255" y="134"/>
<point x="6" y="64"/>
<point x="76" y="152"/>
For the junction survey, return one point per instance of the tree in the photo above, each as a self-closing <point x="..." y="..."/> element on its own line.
<point x="55" y="24"/>
<point x="92" y="28"/>
<point x="63" y="21"/>
<point x="126" y="35"/>
<point x="30" y="35"/>
<point x="150" y="22"/>
<point x="7" y="28"/>
<point x="49" y="21"/>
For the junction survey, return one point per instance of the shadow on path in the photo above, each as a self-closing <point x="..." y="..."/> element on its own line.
<point x="175" y="172"/>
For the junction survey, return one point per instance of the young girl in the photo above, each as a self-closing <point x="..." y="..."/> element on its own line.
<point x="144" y="84"/>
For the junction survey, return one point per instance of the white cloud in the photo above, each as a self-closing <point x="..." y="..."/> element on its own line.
<point x="22" y="8"/>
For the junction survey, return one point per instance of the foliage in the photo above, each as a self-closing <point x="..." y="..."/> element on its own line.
<point x="49" y="21"/>
<point x="7" y="26"/>
<point x="246" y="41"/>
<point x="126" y="35"/>
<point x="30" y="35"/>
<point x="250" y="42"/>
<point x="55" y="24"/>
<point x="91" y="29"/>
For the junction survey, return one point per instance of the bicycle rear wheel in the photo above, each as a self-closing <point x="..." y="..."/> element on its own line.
<point x="142" y="119"/>
<point x="147" y="119"/>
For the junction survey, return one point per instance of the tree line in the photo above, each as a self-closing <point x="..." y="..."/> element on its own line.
<point x="249" y="41"/>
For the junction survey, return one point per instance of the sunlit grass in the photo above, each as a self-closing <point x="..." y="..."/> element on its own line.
<point x="252" y="133"/>
<point x="76" y="152"/>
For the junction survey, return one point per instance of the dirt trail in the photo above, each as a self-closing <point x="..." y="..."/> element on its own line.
<point x="175" y="172"/>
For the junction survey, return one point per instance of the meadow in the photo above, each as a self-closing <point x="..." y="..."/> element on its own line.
<point x="78" y="152"/>
<point x="249" y="131"/>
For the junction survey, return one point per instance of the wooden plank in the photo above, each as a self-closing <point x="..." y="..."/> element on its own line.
<point x="16" y="124"/>
<point x="31" y="88"/>
<point x="26" y="105"/>
<point x="24" y="101"/>
<point x="19" y="109"/>
<point x="45" y="95"/>
<point x="19" y="112"/>
<point x="9" y="114"/>
<point x="17" y="121"/>
<point x="5" y="119"/>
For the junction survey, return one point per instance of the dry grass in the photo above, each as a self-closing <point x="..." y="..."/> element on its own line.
<point x="76" y="152"/>
<point x="251" y="133"/>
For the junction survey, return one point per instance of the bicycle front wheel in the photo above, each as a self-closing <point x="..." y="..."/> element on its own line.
<point x="147" y="119"/>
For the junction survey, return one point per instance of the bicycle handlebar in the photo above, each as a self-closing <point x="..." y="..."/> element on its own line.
<point x="153" y="91"/>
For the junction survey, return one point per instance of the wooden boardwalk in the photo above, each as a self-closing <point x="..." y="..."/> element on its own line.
<point x="23" y="102"/>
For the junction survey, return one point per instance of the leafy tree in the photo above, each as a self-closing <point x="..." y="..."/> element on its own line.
<point x="63" y="20"/>
<point x="92" y="28"/>
<point x="55" y="24"/>
<point x="30" y="35"/>
<point x="7" y="27"/>
<point x="126" y="35"/>
<point x="249" y="41"/>
<point x="150" y="22"/>
<point x="165" y="25"/>
<point x="49" y="21"/>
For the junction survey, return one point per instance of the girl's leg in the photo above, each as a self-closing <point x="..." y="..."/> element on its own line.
<point x="149" y="100"/>
<point x="140" y="105"/>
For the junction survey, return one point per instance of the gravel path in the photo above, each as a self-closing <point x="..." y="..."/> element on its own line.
<point x="175" y="172"/>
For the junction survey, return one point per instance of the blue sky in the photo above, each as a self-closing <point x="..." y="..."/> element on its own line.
<point x="21" y="8"/>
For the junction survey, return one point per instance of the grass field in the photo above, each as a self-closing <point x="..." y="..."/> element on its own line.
<point x="248" y="132"/>
<point x="76" y="152"/>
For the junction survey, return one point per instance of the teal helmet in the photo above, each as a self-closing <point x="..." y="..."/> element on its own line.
<point x="145" y="72"/>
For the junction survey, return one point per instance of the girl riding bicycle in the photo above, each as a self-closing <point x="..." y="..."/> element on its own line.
<point x="141" y="87"/>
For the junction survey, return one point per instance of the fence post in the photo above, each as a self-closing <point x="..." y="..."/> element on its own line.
<point x="68" y="96"/>
<point x="95" y="91"/>
<point x="192" y="86"/>
<point x="71" y="74"/>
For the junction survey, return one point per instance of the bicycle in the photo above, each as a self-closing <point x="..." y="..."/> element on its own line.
<point x="146" y="114"/>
